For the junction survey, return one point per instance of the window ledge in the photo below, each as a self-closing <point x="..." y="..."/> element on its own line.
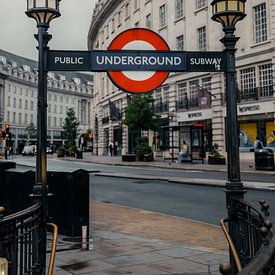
<point x="136" y="10"/>
<point x="254" y="45"/>
<point x="201" y="9"/>
<point x="163" y="28"/>
<point x="182" y="18"/>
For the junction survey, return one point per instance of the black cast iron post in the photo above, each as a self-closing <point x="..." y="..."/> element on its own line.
<point x="234" y="186"/>
<point x="43" y="11"/>
<point x="228" y="13"/>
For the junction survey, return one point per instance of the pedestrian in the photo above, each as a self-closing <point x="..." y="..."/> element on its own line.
<point x="111" y="147"/>
<point x="258" y="144"/>
<point x="184" y="152"/>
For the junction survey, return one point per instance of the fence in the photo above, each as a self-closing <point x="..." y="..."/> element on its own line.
<point x="253" y="248"/>
<point x="21" y="241"/>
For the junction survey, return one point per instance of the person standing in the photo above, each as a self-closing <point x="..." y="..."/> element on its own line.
<point x="258" y="144"/>
<point x="111" y="148"/>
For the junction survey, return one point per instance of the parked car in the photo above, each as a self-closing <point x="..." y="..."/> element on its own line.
<point x="29" y="150"/>
<point x="49" y="150"/>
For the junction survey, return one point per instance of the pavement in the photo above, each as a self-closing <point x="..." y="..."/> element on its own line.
<point x="125" y="240"/>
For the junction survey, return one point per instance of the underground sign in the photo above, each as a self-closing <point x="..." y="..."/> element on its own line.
<point x="139" y="40"/>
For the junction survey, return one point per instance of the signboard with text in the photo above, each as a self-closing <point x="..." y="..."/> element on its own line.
<point x="137" y="60"/>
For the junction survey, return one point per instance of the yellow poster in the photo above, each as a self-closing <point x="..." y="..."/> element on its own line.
<point x="270" y="133"/>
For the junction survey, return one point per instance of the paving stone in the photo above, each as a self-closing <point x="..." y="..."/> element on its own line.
<point x="208" y="258"/>
<point x="179" y="252"/>
<point x="135" y="259"/>
<point x="180" y="266"/>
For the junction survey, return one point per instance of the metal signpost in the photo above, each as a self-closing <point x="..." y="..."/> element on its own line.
<point x="137" y="61"/>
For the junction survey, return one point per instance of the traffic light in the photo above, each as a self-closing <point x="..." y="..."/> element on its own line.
<point x="7" y="133"/>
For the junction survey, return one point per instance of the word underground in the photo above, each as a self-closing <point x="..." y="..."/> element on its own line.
<point x="138" y="60"/>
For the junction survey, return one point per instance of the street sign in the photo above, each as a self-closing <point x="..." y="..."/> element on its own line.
<point x="129" y="60"/>
<point x="69" y="61"/>
<point x="137" y="60"/>
<point x="138" y="81"/>
<point x="205" y="61"/>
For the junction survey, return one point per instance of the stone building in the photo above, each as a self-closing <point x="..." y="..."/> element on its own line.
<point x="191" y="104"/>
<point x="18" y="99"/>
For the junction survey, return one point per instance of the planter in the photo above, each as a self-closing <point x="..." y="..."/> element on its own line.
<point x="215" y="160"/>
<point x="129" y="157"/>
<point x="149" y="157"/>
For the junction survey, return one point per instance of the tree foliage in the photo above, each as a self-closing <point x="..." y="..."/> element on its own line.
<point x="30" y="132"/>
<point x="139" y="114"/>
<point x="70" y="127"/>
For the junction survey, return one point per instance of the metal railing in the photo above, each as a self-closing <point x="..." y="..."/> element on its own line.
<point x="253" y="248"/>
<point x="255" y="93"/>
<point x="21" y="236"/>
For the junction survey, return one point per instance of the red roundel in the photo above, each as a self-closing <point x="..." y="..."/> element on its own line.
<point x="138" y="81"/>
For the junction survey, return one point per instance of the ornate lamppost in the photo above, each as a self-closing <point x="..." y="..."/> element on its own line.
<point x="43" y="11"/>
<point x="228" y="13"/>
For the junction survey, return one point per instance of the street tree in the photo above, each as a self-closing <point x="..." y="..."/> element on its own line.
<point x="30" y="132"/>
<point x="70" y="127"/>
<point x="140" y="116"/>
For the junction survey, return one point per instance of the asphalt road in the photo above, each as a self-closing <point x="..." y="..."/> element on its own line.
<point x="201" y="203"/>
<point x="56" y="164"/>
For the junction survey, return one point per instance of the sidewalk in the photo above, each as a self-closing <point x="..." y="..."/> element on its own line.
<point x="132" y="241"/>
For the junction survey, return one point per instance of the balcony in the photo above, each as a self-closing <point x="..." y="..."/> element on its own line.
<point x="255" y="93"/>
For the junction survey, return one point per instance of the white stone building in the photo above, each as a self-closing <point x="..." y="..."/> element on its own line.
<point x="187" y="25"/>
<point x="18" y="99"/>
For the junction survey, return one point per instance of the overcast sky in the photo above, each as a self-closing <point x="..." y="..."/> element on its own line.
<point x="69" y="31"/>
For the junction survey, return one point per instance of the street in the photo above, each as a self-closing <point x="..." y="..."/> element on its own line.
<point x="198" y="202"/>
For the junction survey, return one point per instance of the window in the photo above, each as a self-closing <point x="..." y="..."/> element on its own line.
<point x="158" y="101"/>
<point x="248" y="79"/>
<point x="206" y="83"/>
<point x="166" y="98"/>
<point x="126" y="10"/>
<point x="179" y="9"/>
<point x="20" y="118"/>
<point x="182" y="96"/>
<point x="193" y="88"/>
<point x="49" y="121"/>
<point x="14" y="102"/>
<point x="180" y="43"/>
<point x="8" y="116"/>
<point x="119" y="18"/>
<point x="26" y="105"/>
<point x="202" y="39"/>
<point x="149" y="21"/>
<point x="31" y="105"/>
<point x="260" y="23"/>
<point x="136" y="4"/>
<point x="113" y="24"/>
<point x="20" y="103"/>
<point x="26" y="119"/>
<point x="200" y="4"/>
<point x="266" y="80"/>
<point x="31" y="118"/>
<point x="9" y="101"/>
<point x="162" y="16"/>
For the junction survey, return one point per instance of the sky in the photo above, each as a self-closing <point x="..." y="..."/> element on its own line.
<point x="69" y="31"/>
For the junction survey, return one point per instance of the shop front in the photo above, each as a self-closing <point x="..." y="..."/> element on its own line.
<point x="256" y="120"/>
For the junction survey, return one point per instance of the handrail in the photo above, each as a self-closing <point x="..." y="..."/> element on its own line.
<point x="53" y="251"/>
<point x="231" y="245"/>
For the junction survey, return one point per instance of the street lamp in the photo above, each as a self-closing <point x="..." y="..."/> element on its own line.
<point x="228" y="13"/>
<point x="43" y="11"/>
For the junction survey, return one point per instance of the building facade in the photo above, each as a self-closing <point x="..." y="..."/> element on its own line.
<point x="18" y="100"/>
<point x="191" y="104"/>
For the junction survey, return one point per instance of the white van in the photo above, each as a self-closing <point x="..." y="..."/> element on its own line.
<point x="29" y="150"/>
